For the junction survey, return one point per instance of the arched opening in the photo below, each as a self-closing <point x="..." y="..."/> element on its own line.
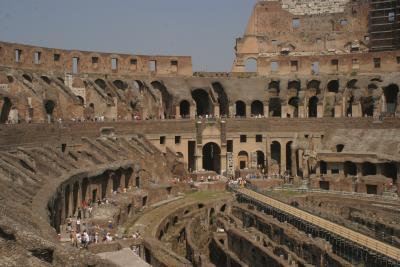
<point x="240" y="109"/>
<point x="391" y="93"/>
<point x="75" y="192"/>
<point x="49" y="106"/>
<point x="368" y="168"/>
<point x="275" y="107"/>
<point x="120" y="84"/>
<point x="203" y="102"/>
<point x="372" y="87"/>
<point x="260" y="159"/>
<point x="314" y="85"/>
<point x="323" y="167"/>
<point x="313" y="107"/>
<point x="166" y="98"/>
<point x="276" y="152"/>
<point x="350" y="103"/>
<point x="5" y="110"/>
<point x="85" y="185"/>
<point x="116" y="181"/>
<point x="27" y="77"/>
<point x="274" y="88"/>
<point x="294" y="85"/>
<point x="212" y="157"/>
<point x="243" y="160"/>
<point x="46" y="79"/>
<point x="294" y="104"/>
<point x="257" y="108"/>
<point x="101" y="83"/>
<point x="339" y="148"/>
<point x="389" y="170"/>
<point x="352" y="84"/>
<point x="350" y="168"/>
<point x="222" y="99"/>
<point x="81" y="100"/>
<point x="289" y="156"/>
<point x="251" y="65"/>
<point x="367" y="106"/>
<point x="10" y="78"/>
<point x="212" y="216"/>
<point x="184" y="109"/>
<point x="333" y="86"/>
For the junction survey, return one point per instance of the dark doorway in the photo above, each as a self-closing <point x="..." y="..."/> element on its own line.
<point x="390" y="170"/>
<point x="367" y="106"/>
<point x="289" y="156"/>
<point x="212" y="157"/>
<point x="349" y="168"/>
<point x="5" y="110"/>
<point x="240" y="109"/>
<point x="203" y="102"/>
<point x="372" y="189"/>
<point x="260" y="159"/>
<point x="368" y="169"/>
<point x="257" y="108"/>
<point x="333" y="86"/>
<point x="49" y="106"/>
<point x="391" y="93"/>
<point x="313" y="107"/>
<point x="276" y="152"/>
<point x="275" y="107"/>
<point x="184" y="109"/>
<point x="294" y="102"/>
<point x="324" y="185"/>
<point x="191" y="155"/>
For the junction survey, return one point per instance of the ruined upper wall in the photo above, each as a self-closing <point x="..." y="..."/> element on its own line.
<point x="311" y="31"/>
<point x="58" y="60"/>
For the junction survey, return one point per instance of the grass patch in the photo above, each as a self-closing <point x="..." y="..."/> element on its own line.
<point x="206" y="195"/>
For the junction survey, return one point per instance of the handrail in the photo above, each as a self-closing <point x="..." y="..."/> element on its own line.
<point x="339" y="230"/>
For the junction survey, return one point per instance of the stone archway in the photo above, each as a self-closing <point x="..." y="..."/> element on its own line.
<point x="204" y="105"/>
<point x="212" y="157"/>
<point x="5" y="110"/>
<point x="184" y="109"/>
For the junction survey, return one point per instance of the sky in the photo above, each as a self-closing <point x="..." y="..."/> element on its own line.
<point x="205" y="30"/>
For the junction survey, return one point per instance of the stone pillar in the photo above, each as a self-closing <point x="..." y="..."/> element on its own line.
<point x="320" y="111"/>
<point x="338" y="111"/>
<point x="294" y="162"/>
<point x="122" y="181"/>
<point x="232" y="110"/>
<point x="356" y="110"/>
<point x="70" y="201"/>
<point x="223" y="159"/>
<point x="268" y="153"/>
<point x="79" y="196"/>
<point x="266" y="109"/>
<point x="248" y="110"/>
<point x="63" y="202"/>
<point x="216" y="110"/>
<point x="283" y="158"/>
<point x="359" y="169"/>
<point x="109" y="185"/>
<point x="199" y="157"/>
<point x="177" y="112"/>
<point x="193" y="111"/>
<point x="284" y="111"/>
<point x="302" y="111"/>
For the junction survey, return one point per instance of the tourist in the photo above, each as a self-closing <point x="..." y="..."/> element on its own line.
<point x="69" y="224"/>
<point x="78" y="225"/>
<point x="109" y="237"/>
<point x="79" y="214"/>
<point x="90" y="210"/>
<point x="96" y="238"/>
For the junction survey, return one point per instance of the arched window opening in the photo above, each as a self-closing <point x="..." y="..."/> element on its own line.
<point x="391" y="94"/>
<point x="166" y="98"/>
<point x="275" y="107"/>
<point x="240" y="109"/>
<point x="203" y="102"/>
<point x="323" y="167"/>
<point x="294" y="85"/>
<point x="260" y="159"/>
<point x="5" y="110"/>
<point x="274" y="88"/>
<point x="289" y="156"/>
<point x="184" y="109"/>
<point x="101" y="83"/>
<point x="222" y="99"/>
<point x="81" y="100"/>
<point x="212" y="157"/>
<point x="243" y="160"/>
<point x="251" y="65"/>
<point x="350" y="103"/>
<point x="389" y="170"/>
<point x="276" y="152"/>
<point x="46" y="79"/>
<point x="313" y="107"/>
<point x="257" y="108"/>
<point x="49" y="106"/>
<point x="339" y="148"/>
<point x="367" y="106"/>
<point x="368" y="169"/>
<point x="294" y="104"/>
<point x="352" y="84"/>
<point x="10" y="79"/>
<point x="314" y="85"/>
<point x="120" y="84"/>
<point x="350" y="168"/>
<point x="27" y="77"/>
<point x="333" y="86"/>
<point x="372" y="87"/>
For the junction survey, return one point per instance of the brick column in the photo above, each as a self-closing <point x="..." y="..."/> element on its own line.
<point x="283" y="158"/>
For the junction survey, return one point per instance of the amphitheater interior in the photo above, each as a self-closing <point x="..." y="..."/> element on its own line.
<point x="291" y="159"/>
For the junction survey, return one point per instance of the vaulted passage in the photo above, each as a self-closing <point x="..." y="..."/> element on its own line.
<point x="257" y="108"/>
<point x="368" y="169"/>
<point x="275" y="107"/>
<point x="184" y="109"/>
<point x="313" y="107"/>
<point x="367" y="106"/>
<point x="276" y="152"/>
<point x="212" y="157"/>
<point x="166" y="98"/>
<point x="243" y="160"/>
<point x="260" y="159"/>
<point x="222" y="99"/>
<point x="49" y="106"/>
<point x="294" y="104"/>
<point x="5" y="110"/>
<point x="333" y="86"/>
<point x="391" y="93"/>
<point x="350" y="168"/>
<point x="240" y="109"/>
<point x="203" y="102"/>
